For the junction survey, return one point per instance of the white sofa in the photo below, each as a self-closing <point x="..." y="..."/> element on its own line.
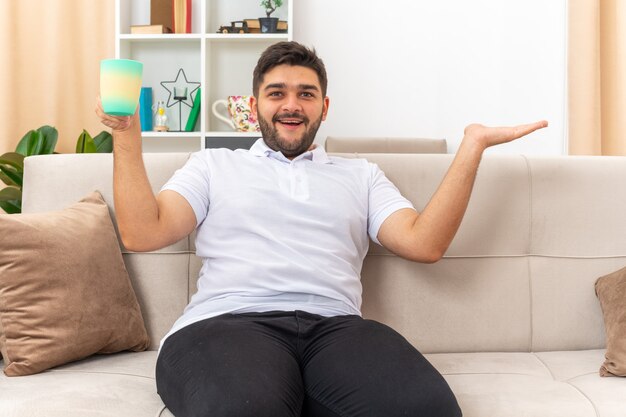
<point x="509" y="316"/>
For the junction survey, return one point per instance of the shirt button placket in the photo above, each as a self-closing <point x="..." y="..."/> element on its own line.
<point x="301" y="183"/>
<point x="293" y="179"/>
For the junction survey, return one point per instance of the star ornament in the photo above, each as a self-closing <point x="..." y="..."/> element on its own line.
<point x="178" y="83"/>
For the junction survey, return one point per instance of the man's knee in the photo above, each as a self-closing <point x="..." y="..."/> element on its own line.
<point x="439" y="402"/>
<point x="434" y="399"/>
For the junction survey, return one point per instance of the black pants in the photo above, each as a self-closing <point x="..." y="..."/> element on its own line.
<point x="297" y="364"/>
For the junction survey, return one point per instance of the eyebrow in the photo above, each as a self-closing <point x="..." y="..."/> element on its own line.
<point x="300" y="86"/>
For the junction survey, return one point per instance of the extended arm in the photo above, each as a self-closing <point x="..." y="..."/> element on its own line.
<point x="145" y="222"/>
<point x="425" y="237"/>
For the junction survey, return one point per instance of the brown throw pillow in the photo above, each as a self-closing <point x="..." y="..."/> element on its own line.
<point x="611" y="291"/>
<point x="65" y="293"/>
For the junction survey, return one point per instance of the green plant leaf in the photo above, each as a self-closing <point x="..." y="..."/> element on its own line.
<point x="11" y="200"/>
<point x="5" y="179"/>
<point x="11" y="207"/>
<point x="35" y="143"/>
<point x="50" y="138"/>
<point x="22" y="145"/>
<point x="15" y="177"/>
<point x="10" y="193"/>
<point x="38" y="142"/>
<point x="104" y="142"/>
<point x="14" y="159"/>
<point x="85" y="143"/>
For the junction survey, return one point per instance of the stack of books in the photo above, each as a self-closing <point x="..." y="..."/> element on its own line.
<point x="149" y="29"/>
<point x="167" y="16"/>
<point x="161" y="14"/>
<point x="181" y="16"/>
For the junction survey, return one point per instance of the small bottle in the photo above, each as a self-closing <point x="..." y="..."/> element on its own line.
<point x="160" y="119"/>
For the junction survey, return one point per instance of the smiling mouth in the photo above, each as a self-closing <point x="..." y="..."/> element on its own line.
<point x="290" y="122"/>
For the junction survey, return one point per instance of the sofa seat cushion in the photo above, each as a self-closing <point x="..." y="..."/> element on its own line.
<point x="120" y="385"/>
<point x="547" y="384"/>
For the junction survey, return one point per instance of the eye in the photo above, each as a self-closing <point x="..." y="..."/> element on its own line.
<point x="306" y="94"/>
<point x="275" y="94"/>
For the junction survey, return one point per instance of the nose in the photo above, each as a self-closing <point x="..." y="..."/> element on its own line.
<point x="291" y="104"/>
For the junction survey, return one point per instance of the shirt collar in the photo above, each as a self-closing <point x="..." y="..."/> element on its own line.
<point x="317" y="155"/>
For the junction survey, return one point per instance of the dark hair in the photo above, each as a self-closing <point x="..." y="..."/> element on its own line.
<point x="289" y="53"/>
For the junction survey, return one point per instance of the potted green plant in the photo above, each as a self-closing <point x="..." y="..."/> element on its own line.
<point x="269" y="24"/>
<point x="39" y="142"/>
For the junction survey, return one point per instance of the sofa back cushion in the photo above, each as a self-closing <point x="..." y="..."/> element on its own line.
<point x="519" y="275"/>
<point x="338" y="144"/>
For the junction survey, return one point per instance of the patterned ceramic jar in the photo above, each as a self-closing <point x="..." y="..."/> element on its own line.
<point x="241" y="118"/>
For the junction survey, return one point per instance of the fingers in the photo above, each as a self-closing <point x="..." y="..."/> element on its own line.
<point x="486" y="136"/>
<point x="523" y="130"/>
<point x="113" y="122"/>
<point x="507" y="134"/>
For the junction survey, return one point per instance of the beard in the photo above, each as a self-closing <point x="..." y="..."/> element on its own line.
<point x="289" y="149"/>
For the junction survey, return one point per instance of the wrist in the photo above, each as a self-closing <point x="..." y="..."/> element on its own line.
<point x="473" y="144"/>
<point x="127" y="139"/>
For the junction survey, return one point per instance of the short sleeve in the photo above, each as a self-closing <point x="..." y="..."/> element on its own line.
<point x="384" y="199"/>
<point x="192" y="181"/>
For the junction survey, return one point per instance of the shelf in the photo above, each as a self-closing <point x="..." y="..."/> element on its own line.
<point x="162" y="37"/>
<point x="222" y="63"/>
<point x="247" y="37"/>
<point x="232" y="134"/>
<point x="213" y="37"/>
<point x="153" y="134"/>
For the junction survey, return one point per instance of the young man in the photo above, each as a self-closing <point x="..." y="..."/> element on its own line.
<point x="275" y="328"/>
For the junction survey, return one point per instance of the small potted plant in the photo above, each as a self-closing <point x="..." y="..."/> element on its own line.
<point x="269" y="24"/>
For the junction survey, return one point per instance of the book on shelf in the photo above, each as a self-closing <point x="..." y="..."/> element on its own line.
<point x="149" y="29"/>
<point x="161" y="13"/>
<point x="181" y="16"/>
<point x="194" y="112"/>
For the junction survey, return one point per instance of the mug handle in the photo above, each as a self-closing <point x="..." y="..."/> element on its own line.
<point x="217" y="114"/>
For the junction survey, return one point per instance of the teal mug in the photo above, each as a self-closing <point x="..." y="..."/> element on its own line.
<point x="120" y="86"/>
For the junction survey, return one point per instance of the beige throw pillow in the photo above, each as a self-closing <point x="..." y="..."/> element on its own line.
<point x="611" y="291"/>
<point x="65" y="293"/>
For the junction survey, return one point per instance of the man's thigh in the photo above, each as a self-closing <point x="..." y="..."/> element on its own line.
<point x="357" y="368"/>
<point x="231" y="366"/>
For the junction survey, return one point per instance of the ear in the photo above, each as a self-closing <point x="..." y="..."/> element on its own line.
<point x="325" y="107"/>
<point x="253" y="106"/>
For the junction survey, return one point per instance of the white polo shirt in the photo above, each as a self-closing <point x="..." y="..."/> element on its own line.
<point x="275" y="234"/>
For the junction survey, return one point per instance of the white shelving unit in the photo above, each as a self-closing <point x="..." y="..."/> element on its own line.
<point x="222" y="63"/>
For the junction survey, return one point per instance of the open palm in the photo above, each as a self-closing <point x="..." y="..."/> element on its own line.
<point x="490" y="136"/>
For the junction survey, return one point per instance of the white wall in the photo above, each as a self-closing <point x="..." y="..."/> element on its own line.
<point x="426" y="68"/>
